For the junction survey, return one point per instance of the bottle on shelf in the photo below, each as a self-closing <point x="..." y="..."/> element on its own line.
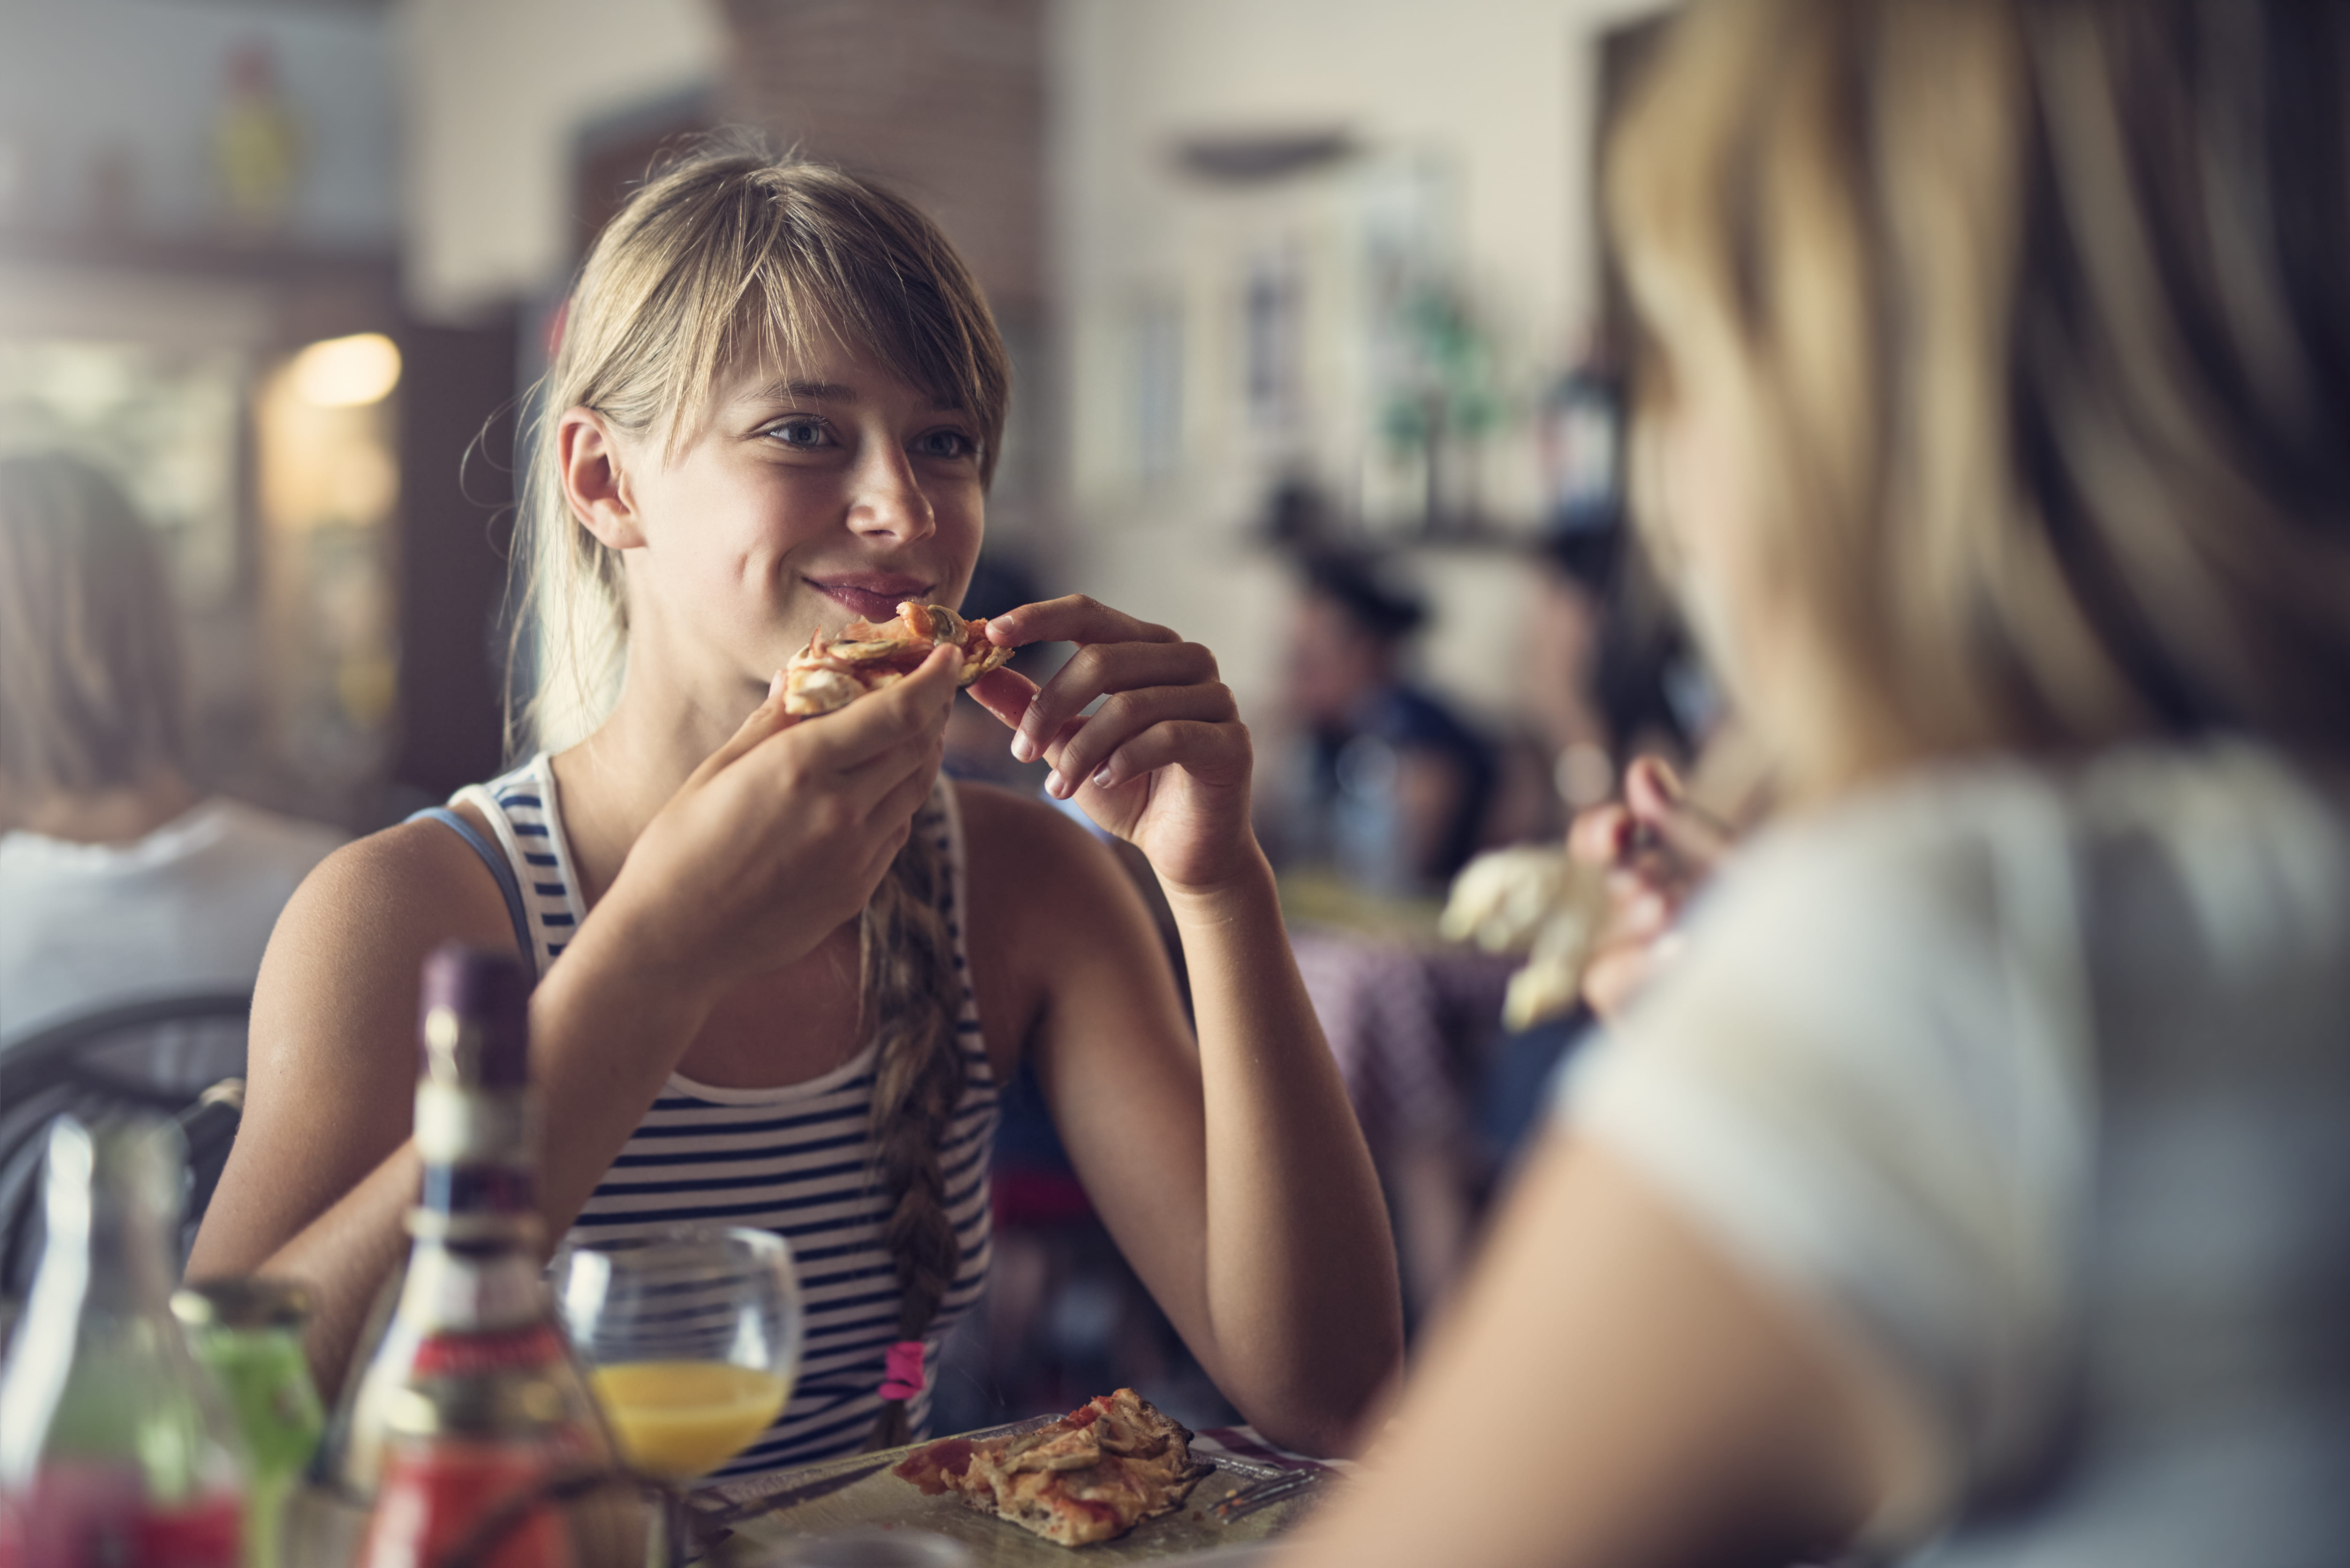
<point x="116" y="1450"/>
<point x="471" y="1403"/>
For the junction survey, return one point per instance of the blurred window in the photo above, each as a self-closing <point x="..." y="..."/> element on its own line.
<point x="164" y="422"/>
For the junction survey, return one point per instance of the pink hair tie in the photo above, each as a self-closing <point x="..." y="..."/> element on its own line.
<point x="902" y="1370"/>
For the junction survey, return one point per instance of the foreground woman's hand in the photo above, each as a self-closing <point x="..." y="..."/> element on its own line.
<point x="1163" y="763"/>
<point x="780" y="835"/>
<point x="1657" y="848"/>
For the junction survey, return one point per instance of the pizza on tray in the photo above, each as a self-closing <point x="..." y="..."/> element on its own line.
<point x="833" y="672"/>
<point x="1092" y="1474"/>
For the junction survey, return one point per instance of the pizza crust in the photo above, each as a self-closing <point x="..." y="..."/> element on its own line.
<point x="1539" y="902"/>
<point x="831" y="672"/>
<point x="1091" y="1476"/>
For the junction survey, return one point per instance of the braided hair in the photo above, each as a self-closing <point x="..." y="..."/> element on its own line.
<point x="904" y="954"/>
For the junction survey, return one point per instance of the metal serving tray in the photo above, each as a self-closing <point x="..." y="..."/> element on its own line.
<point x="858" y="1493"/>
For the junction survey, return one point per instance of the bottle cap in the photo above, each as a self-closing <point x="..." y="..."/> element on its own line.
<point x="245" y="1302"/>
<point x="475" y="1019"/>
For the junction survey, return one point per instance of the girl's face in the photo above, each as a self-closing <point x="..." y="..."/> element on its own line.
<point x="812" y="494"/>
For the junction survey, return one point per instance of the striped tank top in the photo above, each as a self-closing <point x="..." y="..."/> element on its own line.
<point x="797" y="1160"/>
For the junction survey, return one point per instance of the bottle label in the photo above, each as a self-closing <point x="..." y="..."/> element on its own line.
<point x="95" y="1516"/>
<point x="435" y="1494"/>
<point x="523" y="1349"/>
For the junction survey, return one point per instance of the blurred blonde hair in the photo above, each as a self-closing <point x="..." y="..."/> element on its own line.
<point x="91" y="692"/>
<point x="2037" y="313"/>
<point x="732" y="256"/>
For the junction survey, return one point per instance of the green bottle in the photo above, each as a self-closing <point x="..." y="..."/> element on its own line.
<point x="248" y="1333"/>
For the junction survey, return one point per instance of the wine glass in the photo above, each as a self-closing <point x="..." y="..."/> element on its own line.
<point x="692" y="1335"/>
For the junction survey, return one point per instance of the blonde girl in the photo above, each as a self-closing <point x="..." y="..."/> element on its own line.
<point x="1969" y="1191"/>
<point x="783" y="965"/>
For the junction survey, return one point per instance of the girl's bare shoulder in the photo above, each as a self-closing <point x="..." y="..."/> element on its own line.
<point x="394" y="894"/>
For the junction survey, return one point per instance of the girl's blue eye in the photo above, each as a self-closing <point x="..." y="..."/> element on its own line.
<point x="946" y="443"/>
<point x="798" y="432"/>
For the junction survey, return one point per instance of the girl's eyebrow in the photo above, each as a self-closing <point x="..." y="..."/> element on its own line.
<point x="813" y="391"/>
<point x="829" y="392"/>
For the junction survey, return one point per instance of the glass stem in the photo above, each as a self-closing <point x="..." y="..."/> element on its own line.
<point x="676" y="1548"/>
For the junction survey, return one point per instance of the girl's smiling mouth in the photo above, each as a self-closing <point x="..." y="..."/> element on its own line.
<point x="873" y="596"/>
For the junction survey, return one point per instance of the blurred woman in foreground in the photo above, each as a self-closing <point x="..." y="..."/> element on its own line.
<point x="1971" y="1184"/>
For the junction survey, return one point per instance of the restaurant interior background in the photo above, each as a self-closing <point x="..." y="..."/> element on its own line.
<point x="1265" y="267"/>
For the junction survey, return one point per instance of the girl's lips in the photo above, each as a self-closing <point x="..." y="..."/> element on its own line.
<point x="871" y="602"/>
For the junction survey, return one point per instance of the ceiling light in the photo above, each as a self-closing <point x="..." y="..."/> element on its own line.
<point x="347" y="372"/>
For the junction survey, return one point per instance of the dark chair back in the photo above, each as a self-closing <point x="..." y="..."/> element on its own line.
<point x="91" y="1067"/>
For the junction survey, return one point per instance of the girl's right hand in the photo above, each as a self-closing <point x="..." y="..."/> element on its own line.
<point x="1657" y="849"/>
<point x="781" y="834"/>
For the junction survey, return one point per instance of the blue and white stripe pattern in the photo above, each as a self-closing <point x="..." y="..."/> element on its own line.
<point x="798" y="1160"/>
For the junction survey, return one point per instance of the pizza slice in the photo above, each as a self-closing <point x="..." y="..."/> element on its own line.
<point x="1093" y="1475"/>
<point x="833" y="672"/>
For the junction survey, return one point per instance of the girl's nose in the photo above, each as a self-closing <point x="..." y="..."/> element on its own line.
<point x="888" y="500"/>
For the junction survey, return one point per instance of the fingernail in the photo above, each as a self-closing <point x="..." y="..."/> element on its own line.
<point x="1022" y="748"/>
<point x="1053" y="783"/>
<point x="776" y="685"/>
<point x="1101" y="777"/>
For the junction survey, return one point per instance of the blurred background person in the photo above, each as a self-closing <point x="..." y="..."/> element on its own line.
<point x="119" y="876"/>
<point x="1609" y="677"/>
<point x="1390" y="788"/>
<point x="1966" y="1193"/>
<point x="1386" y="795"/>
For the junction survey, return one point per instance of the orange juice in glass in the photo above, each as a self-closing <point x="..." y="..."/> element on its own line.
<point x="692" y="1335"/>
<point x="679" y="1419"/>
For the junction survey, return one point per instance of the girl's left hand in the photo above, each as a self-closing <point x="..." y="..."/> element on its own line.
<point x="1164" y="762"/>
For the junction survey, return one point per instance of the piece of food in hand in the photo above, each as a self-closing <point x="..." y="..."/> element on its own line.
<point x="1537" y="902"/>
<point x="1092" y="1474"/>
<point x="833" y="672"/>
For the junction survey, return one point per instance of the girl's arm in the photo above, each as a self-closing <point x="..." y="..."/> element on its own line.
<point x="773" y="842"/>
<point x="1234" y="1175"/>
<point x="1613" y="1389"/>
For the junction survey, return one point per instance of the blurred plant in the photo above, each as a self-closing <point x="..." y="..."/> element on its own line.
<point x="1446" y="401"/>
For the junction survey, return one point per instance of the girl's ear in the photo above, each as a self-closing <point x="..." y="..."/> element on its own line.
<point x="593" y="480"/>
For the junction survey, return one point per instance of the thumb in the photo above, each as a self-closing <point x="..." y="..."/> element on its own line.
<point x="1652" y="790"/>
<point x="936" y="675"/>
<point x="1661" y="804"/>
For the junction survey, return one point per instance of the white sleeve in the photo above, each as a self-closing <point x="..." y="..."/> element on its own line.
<point x="1866" y="1077"/>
